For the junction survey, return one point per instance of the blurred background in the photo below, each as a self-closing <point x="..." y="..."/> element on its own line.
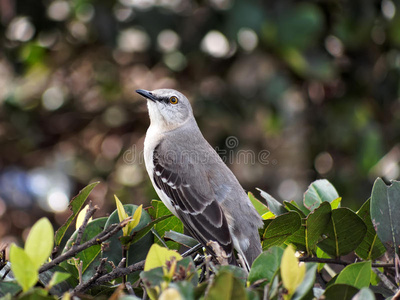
<point x="287" y="92"/>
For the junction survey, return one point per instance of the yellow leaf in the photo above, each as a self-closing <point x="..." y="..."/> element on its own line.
<point x="292" y="273"/>
<point x="158" y="256"/>
<point x="122" y="215"/>
<point x="135" y="219"/>
<point x="169" y="294"/>
<point x="268" y="215"/>
<point x="81" y="217"/>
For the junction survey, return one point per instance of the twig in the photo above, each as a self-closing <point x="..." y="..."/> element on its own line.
<point x="98" y="239"/>
<point x="84" y="286"/>
<point x="116" y="273"/>
<point x="192" y="250"/>
<point x="89" y="213"/>
<point x="341" y="262"/>
<point x="129" y="288"/>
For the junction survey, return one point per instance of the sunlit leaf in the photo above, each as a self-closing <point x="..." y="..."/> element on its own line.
<point x="122" y="215"/>
<point x="81" y="217"/>
<point x="260" y="207"/>
<point x="75" y="205"/>
<point x="319" y="191"/>
<point x="25" y="271"/>
<point x="158" y="256"/>
<point x="291" y="271"/>
<point x="357" y="275"/>
<point x="40" y="242"/>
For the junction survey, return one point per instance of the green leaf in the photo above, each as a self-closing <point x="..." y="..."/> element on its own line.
<point x="260" y="207"/>
<point x="75" y="205"/>
<point x="266" y="265"/>
<point x="292" y="205"/>
<point x="25" y="271"/>
<point x="138" y="249"/>
<point x="155" y="278"/>
<point x="62" y="287"/>
<point x="344" y="233"/>
<point x="385" y="206"/>
<point x="158" y="210"/>
<point x="292" y="272"/>
<point x="89" y="255"/>
<point x="7" y="287"/>
<point x="319" y="191"/>
<point x="371" y="247"/>
<point x="57" y="278"/>
<point x="39" y="243"/>
<point x="307" y="284"/>
<point x="273" y="205"/>
<point x="237" y="272"/>
<point x="280" y="228"/>
<point x="225" y="287"/>
<point x="357" y="275"/>
<point x="316" y="223"/>
<point x="364" y="294"/>
<point x="181" y="238"/>
<point x="340" y="291"/>
<point x="158" y="256"/>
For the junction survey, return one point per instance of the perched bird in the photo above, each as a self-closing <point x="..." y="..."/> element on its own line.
<point x="193" y="181"/>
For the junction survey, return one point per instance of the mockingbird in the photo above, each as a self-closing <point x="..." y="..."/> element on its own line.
<point x="193" y="181"/>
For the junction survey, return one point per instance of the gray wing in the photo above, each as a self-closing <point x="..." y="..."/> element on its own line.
<point x="199" y="212"/>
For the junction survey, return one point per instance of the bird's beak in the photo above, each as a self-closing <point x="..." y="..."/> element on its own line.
<point x="147" y="95"/>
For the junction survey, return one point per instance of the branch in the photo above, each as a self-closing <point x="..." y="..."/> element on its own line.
<point x="98" y="239"/>
<point x="84" y="286"/>
<point x="342" y="262"/>
<point x="116" y="273"/>
<point x="89" y="213"/>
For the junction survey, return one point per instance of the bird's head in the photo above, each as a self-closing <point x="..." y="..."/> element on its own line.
<point x="168" y="108"/>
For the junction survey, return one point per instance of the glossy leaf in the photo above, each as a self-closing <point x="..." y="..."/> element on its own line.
<point x="40" y="242"/>
<point x="280" y="229"/>
<point x="122" y="215"/>
<point x="357" y="275"/>
<point x="266" y="265"/>
<point x="292" y="272"/>
<point x="273" y="205"/>
<point x="138" y="249"/>
<point x="158" y="210"/>
<point x="11" y="288"/>
<point x="336" y="203"/>
<point x="75" y="206"/>
<point x="344" y="233"/>
<point x="371" y="247"/>
<point x="319" y="191"/>
<point x="181" y="238"/>
<point x="57" y="278"/>
<point x="385" y="206"/>
<point x="88" y="255"/>
<point x="158" y="256"/>
<point x="24" y="269"/>
<point x="340" y="291"/>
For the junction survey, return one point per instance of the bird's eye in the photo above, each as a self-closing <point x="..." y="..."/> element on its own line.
<point x="173" y="100"/>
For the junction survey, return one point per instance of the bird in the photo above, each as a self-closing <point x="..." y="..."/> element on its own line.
<point x="194" y="183"/>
